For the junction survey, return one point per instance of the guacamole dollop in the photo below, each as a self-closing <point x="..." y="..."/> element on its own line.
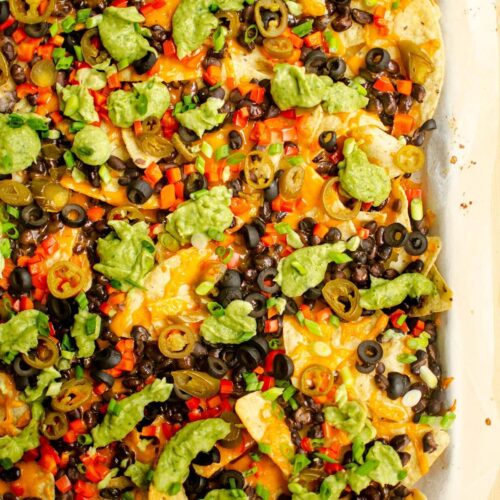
<point x="138" y="473"/>
<point x="177" y="455"/>
<point x="119" y="35"/>
<point x="44" y="379"/>
<point x="204" y="117"/>
<point x="91" y="78"/>
<point x="14" y="447"/>
<point x="20" y="334"/>
<point x="360" y="178"/>
<point x="389" y="293"/>
<point x="330" y="489"/>
<point x="85" y="330"/>
<point x="19" y="146"/>
<point x="339" y="98"/>
<point x="292" y="87"/>
<point x="306" y="267"/>
<point x="234" y="327"/>
<point x="77" y="103"/>
<point x="226" y="494"/>
<point x="350" y="417"/>
<point x="150" y="98"/>
<point x="208" y="212"/>
<point x="91" y="145"/>
<point x="126" y="254"/>
<point x="117" y="425"/>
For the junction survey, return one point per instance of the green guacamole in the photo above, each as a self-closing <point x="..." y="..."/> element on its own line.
<point x="77" y="103"/>
<point x="116" y="426"/>
<point x="234" y="327"/>
<point x="389" y="293"/>
<point x="44" y="379"/>
<point x="127" y="254"/>
<point x="19" y="146"/>
<point x="204" y="117"/>
<point x="306" y="267"/>
<point x="360" y="178"/>
<point x="91" y="145"/>
<point x="20" y="334"/>
<point x="91" y="78"/>
<point x="207" y="213"/>
<point x="13" y="447"/>
<point x="150" y="98"/>
<point x="177" y="455"/>
<point x="119" y="35"/>
<point x="226" y="495"/>
<point x="339" y="98"/>
<point x="85" y="330"/>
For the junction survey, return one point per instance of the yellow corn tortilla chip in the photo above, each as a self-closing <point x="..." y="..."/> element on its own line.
<point x="437" y="303"/>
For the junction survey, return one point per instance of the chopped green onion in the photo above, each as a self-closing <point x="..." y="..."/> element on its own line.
<point x="114" y="407"/>
<point x="272" y="394"/>
<point x="10" y="230"/>
<point x="406" y="358"/>
<point x="300" y="462"/>
<point x="283" y="228"/>
<point x="199" y="164"/>
<point x="346" y="375"/>
<point x="313" y="327"/>
<point x="222" y="152"/>
<point x="325" y="458"/>
<point x="219" y="38"/>
<point x="68" y="24"/>
<point x="402" y="474"/>
<point x="262" y="491"/>
<point x="215" y="309"/>
<point x="417" y="209"/>
<point x="340" y="258"/>
<point x="82" y="15"/>
<point x="289" y="392"/>
<point x="64" y="62"/>
<point x="295" y="160"/>
<point x="332" y="42"/>
<point x="78" y="52"/>
<point x="274" y="344"/>
<point x="250" y="472"/>
<point x="57" y="53"/>
<point x="12" y="211"/>
<point x="81" y="300"/>
<point x="78" y="372"/>
<point x="5" y="249"/>
<point x="54" y="29"/>
<point x="300" y="317"/>
<point x="334" y="320"/>
<point x="367" y="467"/>
<point x="204" y="287"/>
<point x="216" y="235"/>
<point x="353" y="243"/>
<point x="275" y="149"/>
<point x="93" y="21"/>
<point x="252" y="382"/>
<point x="401" y="320"/>
<point x="250" y="34"/>
<point x="76" y="127"/>
<point x="235" y="158"/>
<point x="299" y="267"/>
<point x="447" y="420"/>
<point x="207" y="149"/>
<point x="225" y="254"/>
<point x="303" y="29"/>
<point x="104" y="174"/>
<point x="358" y="448"/>
<point x="265" y="448"/>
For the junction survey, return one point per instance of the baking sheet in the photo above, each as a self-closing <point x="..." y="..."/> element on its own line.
<point x="461" y="160"/>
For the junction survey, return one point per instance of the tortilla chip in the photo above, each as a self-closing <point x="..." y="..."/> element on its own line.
<point x="259" y="417"/>
<point x="437" y="303"/>
<point x="248" y="65"/>
<point x="428" y="257"/>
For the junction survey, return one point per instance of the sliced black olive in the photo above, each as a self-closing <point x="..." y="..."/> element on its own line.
<point x="195" y="484"/>
<point x="314" y="61"/>
<point x="207" y="458"/>
<point x="14" y="473"/>
<point x="21" y="382"/>
<point x="194" y="182"/>
<point x="377" y="59"/>
<point x="328" y="140"/>
<point x="73" y="215"/>
<point x="370" y="352"/>
<point x="259" y="342"/>
<point x="20" y="280"/>
<point x="259" y="304"/>
<point x="336" y="67"/>
<point x="139" y="191"/>
<point x="230" y="279"/>
<point x="216" y="367"/>
<point x="362" y="368"/>
<point x="282" y="367"/>
<point x="271" y="192"/>
<point x="61" y="310"/>
<point x="106" y="358"/>
<point x="260" y="225"/>
<point x="313" y="293"/>
<point x="227" y="295"/>
<point x="249" y="357"/>
<point x="228" y="355"/>
<point x="231" y="479"/>
<point x="33" y="216"/>
<point x="291" y="307"/>
<point x="37" y="30"/>
<point x="23" y="369"/>
<point x="187" y="135"/>
<point x="395" y="235"/>
<point x="416" y="244"/>
<point x="398" y="385"/>
<point x="145" y="64"/>
<point x="251" y="235"/>
<point x="104" y="377"/>
<point x="265" y="280"/>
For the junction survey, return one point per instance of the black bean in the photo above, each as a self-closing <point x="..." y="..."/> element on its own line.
<point x="381" y="381"/>
<point x="419" y="362"/>
<point x="401" y="491"/>
<point x="405" y="457"/>
<point x="20" y="280"/>
<point x="263" y="261"/>
<point x="113" y="493"/>
<point x="343" y="20"/>
<point x="361" y="16"/>
<point x="375" y="105"/>
<point x="116" y="163"/>
<point x="429" y="442"/>
<point x="400" y="442"/>
<point x="389" y="103"/>
<point x="360" y="274"/>
<point x="418" y="92"/>
<point x="18" y="74"/>
<point x="405" y="103"/>
<point x="187" y="135"/>
<point x="8" y="49"/>
<point x="228" y="294"/>
<point x="398" y="385"/>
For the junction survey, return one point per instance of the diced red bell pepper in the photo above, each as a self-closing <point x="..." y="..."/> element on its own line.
<point x="240" y="117"/>
<point x="63" y="484"/>
<point x="268" y="363"/>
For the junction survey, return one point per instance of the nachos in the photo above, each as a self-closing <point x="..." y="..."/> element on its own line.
<point x="218" y="271"/>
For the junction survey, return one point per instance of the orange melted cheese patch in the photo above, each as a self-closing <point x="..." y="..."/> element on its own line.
<point x="268" y="474"/>
<point x="14" y="413"/>
<point x="334" y="347"/>
<point x="35" y="481"/>
<point x="265" y="426"/>
<point x="168" y="294"/>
